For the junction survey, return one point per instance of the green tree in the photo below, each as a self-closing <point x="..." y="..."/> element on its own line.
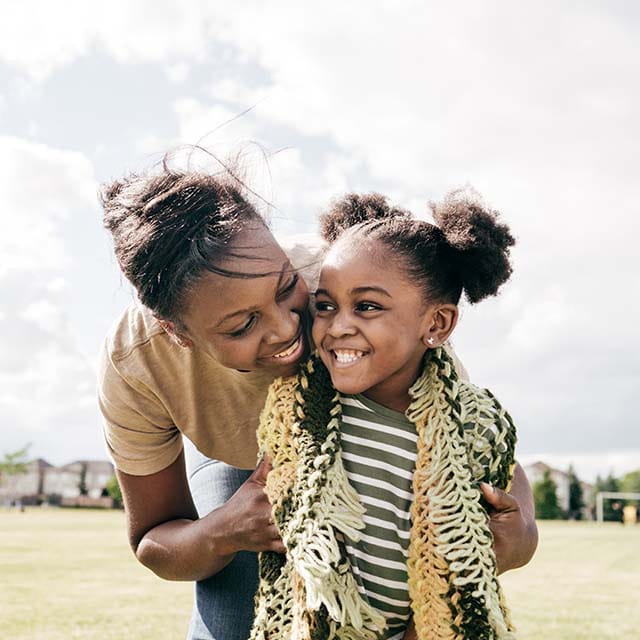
<point x="576" y="498"/>
<point x="113" y="489"/>
<point x="14" y="464"/>
<point x="82" y="483"/>
<point x="612" y="509"/>
<point x="630" y="482"/>
<point x="546" y="498"/>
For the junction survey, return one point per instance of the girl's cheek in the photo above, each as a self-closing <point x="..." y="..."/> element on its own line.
<point x="317" y="330"/>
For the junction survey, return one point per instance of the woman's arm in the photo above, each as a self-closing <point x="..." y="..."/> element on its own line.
<point x="513" y="524"/>
<point x="167" y="536"/>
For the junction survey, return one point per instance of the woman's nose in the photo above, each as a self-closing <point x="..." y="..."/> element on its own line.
<point x="285" y="326"/>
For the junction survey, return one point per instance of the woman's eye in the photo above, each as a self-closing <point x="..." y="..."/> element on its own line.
<point x="290" y="286"/>
<point x="244" y="328"/>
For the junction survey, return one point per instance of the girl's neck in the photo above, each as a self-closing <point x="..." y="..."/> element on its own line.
<point x="398" y="402"/>
<point x="394" y="393"/>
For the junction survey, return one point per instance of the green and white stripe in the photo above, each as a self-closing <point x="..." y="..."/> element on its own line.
<point x="379" y="457"/>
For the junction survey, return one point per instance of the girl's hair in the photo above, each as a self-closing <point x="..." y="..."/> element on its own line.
<point x="467" y="251"/>
<point x="171" y="226"/>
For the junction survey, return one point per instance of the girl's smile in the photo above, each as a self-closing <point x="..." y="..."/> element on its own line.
<point x="369" y="323"/>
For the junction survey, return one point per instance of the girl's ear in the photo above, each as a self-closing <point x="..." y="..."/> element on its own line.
<point x="440" y="321"/>
<point x="175" y="334"/>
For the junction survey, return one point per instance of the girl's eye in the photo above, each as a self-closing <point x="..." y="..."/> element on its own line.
<point x="367" y="306"/>
<point x="244" y="328"/>
<point x="290" y="286"/>
<point x="323" y="306"/>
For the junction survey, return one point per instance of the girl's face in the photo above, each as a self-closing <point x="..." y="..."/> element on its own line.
<point x="254" y="323"/>
<point x="370" y="322"/>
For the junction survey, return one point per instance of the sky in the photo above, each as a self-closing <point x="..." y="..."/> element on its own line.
<point x="533" y="104"/>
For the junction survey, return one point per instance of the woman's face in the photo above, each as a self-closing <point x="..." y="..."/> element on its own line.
<point x="253" y="323"/>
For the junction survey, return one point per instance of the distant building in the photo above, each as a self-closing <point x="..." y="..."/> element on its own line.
<point x="59" y="485"/>
<point x="535" y="473"/>
<point x="25" y="487"/>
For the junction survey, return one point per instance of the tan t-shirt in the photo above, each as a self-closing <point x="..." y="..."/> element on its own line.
<point x="150" y="390"/>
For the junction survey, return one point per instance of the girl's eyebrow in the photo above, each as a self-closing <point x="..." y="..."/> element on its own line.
<point x="356" y="290"/>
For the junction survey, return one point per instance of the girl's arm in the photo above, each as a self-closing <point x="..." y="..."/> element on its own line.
<point x="167" y="536"/>
<point x="513" y="524"/>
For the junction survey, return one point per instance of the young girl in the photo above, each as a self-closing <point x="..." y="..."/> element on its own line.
<point x="375" y="490"/>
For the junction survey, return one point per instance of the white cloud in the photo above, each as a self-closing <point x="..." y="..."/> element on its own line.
<point x="43" y="374"/>
<point x="516" y="99"/>
<point x="39" y="186"/>
<point x="178" y="72"/>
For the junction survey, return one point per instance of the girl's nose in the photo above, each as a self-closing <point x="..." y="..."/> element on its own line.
<point x="341" y="325"/>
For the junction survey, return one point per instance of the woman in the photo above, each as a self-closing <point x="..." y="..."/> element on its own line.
<point x="222" y="313"/>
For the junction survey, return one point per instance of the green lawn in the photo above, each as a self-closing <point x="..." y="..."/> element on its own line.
<point x="583" y="584"/>
<point x="68" y="574"/>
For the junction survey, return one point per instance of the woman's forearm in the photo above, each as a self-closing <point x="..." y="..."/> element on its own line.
<point x="187" y="549"/>
<point x="167" y="536"/>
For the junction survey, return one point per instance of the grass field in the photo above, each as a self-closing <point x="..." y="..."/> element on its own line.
<point x="67" y="574"/>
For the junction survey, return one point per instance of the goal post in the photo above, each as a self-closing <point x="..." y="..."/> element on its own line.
<point x="601" y="496"/>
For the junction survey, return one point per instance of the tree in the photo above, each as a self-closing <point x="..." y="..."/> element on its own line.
<point x="546" y="498"/>
<point x="14" y="464"/>
<point x="113" y="489"/>
<point x="82" y="483"/>
<point x="630" y="483"/>
<point x="576" y="498"/>
<point x="612" y="509"/>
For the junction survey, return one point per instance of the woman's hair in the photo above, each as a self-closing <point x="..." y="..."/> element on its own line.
<point x="171" y="226"/>
<point x="466" y="250"/>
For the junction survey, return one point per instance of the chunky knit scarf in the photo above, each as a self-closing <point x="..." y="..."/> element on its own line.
<point x="464" y="436"/>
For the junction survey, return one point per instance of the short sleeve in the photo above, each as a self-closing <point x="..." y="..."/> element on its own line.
<point x="140" y="436"/>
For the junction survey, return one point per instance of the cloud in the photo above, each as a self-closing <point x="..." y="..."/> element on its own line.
<point x="517" y="99"/>
<point x="37" y="38"/>
<point x="39" y="186"/>
<point x="46" y="381"/>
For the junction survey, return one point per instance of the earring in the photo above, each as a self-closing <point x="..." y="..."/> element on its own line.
<point x="431" y="341"/>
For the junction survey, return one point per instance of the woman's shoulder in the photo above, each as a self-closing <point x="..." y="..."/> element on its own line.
<point x="135" y="327"/>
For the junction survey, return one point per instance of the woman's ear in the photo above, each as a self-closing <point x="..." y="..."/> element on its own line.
<point x="440" y="322"/>
<point x="175" y="334"/>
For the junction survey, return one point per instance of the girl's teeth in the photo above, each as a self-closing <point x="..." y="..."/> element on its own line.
<point x="348" y="356"/>
<point x="289" y="351"/>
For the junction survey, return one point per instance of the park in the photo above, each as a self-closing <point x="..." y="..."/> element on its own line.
<point x="68" y="573"/>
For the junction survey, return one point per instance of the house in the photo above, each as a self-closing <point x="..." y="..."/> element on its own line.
<point x="66" y="481"/>
<point x="81" y="482"/>
<point x="25" y="487"/>
<point x="535" y="473"/>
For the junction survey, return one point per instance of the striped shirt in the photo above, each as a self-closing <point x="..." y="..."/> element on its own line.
<point x="379" y="455"/>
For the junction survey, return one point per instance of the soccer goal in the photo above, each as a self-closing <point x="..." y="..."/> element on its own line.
<point x="601" y="496"/>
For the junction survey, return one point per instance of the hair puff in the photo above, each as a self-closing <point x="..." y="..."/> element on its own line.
<point x="353" y="209"/>
<point x="480" y="243"/>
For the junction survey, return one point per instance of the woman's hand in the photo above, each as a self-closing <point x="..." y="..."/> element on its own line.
<point x="512" y="522"/>
<point x="167" y="536"/>
<point x="250" y="525"/>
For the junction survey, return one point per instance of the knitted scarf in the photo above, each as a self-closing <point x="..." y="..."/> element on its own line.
<point x="464" y="437"/>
